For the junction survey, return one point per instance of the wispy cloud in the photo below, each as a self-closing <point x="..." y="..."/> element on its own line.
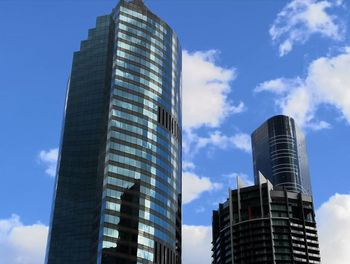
<point x="187" y="165"/>
<point x="193" y="143"/>
<point x="300" y="19"/>
<point x="334" y="229"/>
<point x="241" y="141"/>
<point x="194" y="185"/>
<point x="49" y="159"/>
<point x="277" y="86"/>
<point x="200" y="209"/>
<point x="327" y="83"/>
<point x="22" y="244"/>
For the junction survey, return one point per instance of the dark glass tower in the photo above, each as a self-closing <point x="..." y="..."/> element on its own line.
<point x="279" y="153"/>
<point x="261" y="225"/>
<point x="117" y="197"/>
<point x="272" y="222"/>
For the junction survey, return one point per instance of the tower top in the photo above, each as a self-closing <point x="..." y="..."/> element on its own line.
<point x="137" y="2"/>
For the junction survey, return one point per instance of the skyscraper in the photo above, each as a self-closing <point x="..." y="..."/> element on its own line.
<point x="117" y="197"/>
<point x="279" y="153"/>
<point x="261" y="224"/>
<point x="274" y="220"/>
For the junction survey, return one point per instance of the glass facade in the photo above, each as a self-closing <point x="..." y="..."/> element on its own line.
<point x="134" y="187"/>
<point x="274" y="220"/>
<point x="279" y="153"/>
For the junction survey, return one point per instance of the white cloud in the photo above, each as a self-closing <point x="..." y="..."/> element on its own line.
<point x="192" y="143"/>
<point x="299" y="104"/>
<point x="320" y="125"/>
<point x="300" y="19"/>
<point x="21" y="244"/>
<point x="206" y="86"/>
<point x="334" y="229"/>
<point x="327" y="83"/>
<point x="277" y="86"/>
<point x="193" y="186"/>
<point x="206" y="89"/>
<point x="196" y="244"/>
<point x="239" y="141"/>
<point x="49" y="159"/>
<point x="238" y="108"/>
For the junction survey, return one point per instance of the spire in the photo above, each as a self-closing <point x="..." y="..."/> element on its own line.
<point x="262" y="178"/>
<point x="240" y="183"/>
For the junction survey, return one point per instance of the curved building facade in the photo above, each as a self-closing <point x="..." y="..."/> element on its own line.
<point x="141" y="194"/>
<point x="258" y="224"/>
<point x="118" y="189"/>
<point x="274" y="220"/>
<point x="279" y="153"/>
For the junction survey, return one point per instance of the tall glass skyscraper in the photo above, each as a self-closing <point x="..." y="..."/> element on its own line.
<point x="117" y="197"/>
<point x="279" y="153"/>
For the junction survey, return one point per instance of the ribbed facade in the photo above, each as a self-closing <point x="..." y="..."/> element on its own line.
<point x="279" y="153"/>
<point x="258" y="224"/>
<point x="118" y="191"/>
<point x="272" y="222"/>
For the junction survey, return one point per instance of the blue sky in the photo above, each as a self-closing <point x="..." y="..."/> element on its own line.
<point x="244" y="61"/>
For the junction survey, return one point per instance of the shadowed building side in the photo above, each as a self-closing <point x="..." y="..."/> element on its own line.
<point x="78" y="190"/>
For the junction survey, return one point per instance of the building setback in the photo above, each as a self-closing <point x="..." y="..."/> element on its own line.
<point x="117" y="196"/>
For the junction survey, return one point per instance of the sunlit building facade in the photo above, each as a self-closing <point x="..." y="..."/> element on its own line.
<point x="118" y="188"/>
